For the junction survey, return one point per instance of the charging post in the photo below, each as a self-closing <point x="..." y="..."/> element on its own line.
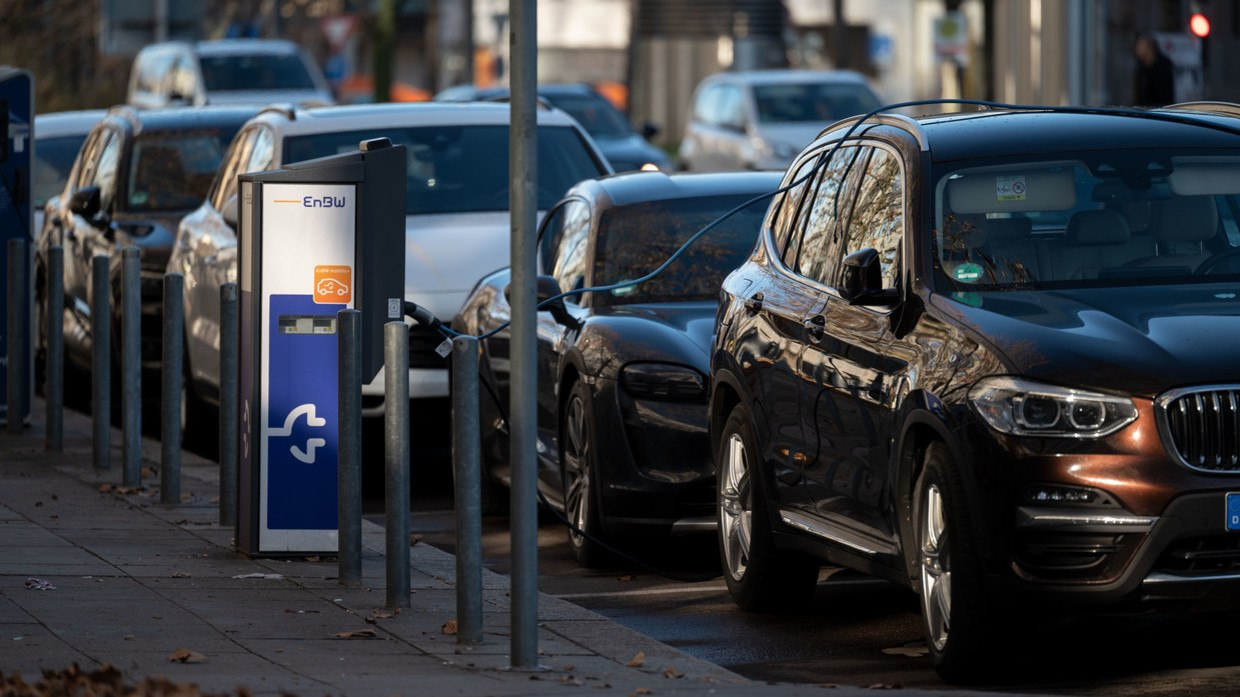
<point x="16" y="143"/>
<point x="315" y="238"/>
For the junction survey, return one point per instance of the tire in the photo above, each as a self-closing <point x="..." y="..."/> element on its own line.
<point x="759" y="576"/>
<point x="958" y="614"/>
<point x="579" y="477"/>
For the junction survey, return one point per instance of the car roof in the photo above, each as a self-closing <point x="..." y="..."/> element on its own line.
<point x="795" y="76"/>
<point x="398" y="114"/>
<point x="176" y="118"/>
<point x="66" y="123"/>
<point x="1019" y="132"/>
<point x="640" y="187"/>
<point x="220" y="47"/>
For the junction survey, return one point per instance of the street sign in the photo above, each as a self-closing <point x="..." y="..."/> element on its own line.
<point x="951" y="37"/>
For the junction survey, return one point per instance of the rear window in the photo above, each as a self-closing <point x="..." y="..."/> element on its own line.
<point x="53" y="160"/>
<point x="255" y="72"/>
<point x="170" y="172"/>
<point x="821" y="102"/>
<point x="463" y="169"/>
<point x="634" y="240"/>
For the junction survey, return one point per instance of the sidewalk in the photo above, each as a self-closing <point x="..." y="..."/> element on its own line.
<point x="158" y="591"/>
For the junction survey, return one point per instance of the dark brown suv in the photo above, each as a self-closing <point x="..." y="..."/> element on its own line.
<point x="990" y="356"/>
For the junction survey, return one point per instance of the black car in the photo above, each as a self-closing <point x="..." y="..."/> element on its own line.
<point x="990" y="356"/>
<point x="622" y="373"/>
<point x="137" y="174"/>
<point x="624" y="148"/>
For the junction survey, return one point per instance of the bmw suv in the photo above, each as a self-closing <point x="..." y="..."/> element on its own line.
<point x="990" y="356"/>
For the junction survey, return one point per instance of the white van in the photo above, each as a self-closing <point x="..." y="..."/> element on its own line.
<point x="226" y="71"/>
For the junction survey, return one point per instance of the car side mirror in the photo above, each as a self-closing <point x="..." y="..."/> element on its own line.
<point x="861" y="280"/>
<point x="649" y="130"/>
<point x="229" y="212"/>
<point x="86" y="202"/>
<point x="546" y="289"/>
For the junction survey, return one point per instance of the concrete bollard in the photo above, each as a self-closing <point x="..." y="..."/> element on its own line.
<point x="54" y="356"/>
<point x="172" y="374"/>
<point x="349" y="469"/>
<point x="101" y="362"/>
<point x="396" y="461"/>
<point x="131" y="366"/>
<point x="467" y="474"/>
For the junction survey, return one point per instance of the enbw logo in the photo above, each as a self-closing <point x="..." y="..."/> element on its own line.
<point x="323" y="201"/>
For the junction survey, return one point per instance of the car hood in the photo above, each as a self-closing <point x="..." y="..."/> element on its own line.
<point x="1137" y="340"/>
<point x="630" y="152"/>
<point x="693" y="322"/>
<point x="445" y="255"/>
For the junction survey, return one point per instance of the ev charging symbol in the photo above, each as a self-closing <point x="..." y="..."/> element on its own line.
<point x="312" y="444"/>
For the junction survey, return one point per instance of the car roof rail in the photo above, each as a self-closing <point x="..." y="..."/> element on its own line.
<point x="542" y="102"/>
<point x="899" y="121"/>
<point x="288" y="111"/>
<point x="1220" y="108"/>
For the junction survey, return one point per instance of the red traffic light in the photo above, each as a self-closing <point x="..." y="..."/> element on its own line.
<point x="1199" y="25"/>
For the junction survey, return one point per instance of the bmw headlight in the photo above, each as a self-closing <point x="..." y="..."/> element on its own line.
<point x="663" y="381"/>
<point x="1025" y="408"/>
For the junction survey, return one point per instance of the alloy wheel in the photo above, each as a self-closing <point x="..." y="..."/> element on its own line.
<point x="576" y="468"/>
<point x="936" y="574"/>
<point x="735" y="507"/>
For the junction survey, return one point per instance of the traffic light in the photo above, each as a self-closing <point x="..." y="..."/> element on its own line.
<point x="1199" y="25"/>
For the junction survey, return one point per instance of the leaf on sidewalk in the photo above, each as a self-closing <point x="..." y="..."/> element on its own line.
<point x="183" y="655"/>
<point x="258" y="574"/>
<point x="357" y="634"/>
<point x="637" y="660"/>
<point x="671" y="672"/>
<point x="643" y="691"/>
<point x="625" y="578"/>
<point x="449" y="627"/>
<point x="180" y="574"/>
<point x="38" y="584"/>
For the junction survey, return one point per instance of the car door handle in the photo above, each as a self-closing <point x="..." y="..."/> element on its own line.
<point x="815" y="326"/>
<point x="754" y="302"/>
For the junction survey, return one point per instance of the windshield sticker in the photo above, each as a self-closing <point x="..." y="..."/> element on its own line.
<point x="968" y="272"/>
<point x="1010" y="188"/>
<point x="972" y="299"/>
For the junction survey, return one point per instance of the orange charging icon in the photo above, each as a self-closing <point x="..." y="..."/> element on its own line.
<point x="333" y="284"/>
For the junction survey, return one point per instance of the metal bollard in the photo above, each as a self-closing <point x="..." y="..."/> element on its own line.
<point x="101" y="362"/>
<point x="54" y="356"/>
<point x="18" y="337"/>
<point x="170" y="393"/>
<point x="396" y="460"/>
<point x="131" y="367"/>
<point x="467" y="473"/>
<point x="229" y="348"/>
<point x="349" y="469"/>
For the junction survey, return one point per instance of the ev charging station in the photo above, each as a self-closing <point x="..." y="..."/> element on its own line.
<point x="16" y="143"/>
<point x="315" y="238"/>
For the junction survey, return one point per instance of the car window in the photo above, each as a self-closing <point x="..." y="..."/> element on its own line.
<point x="634" y="240"/>
<point x="877" y="220"/>
<point x="84" y="166"/>
<point x="810" y="248"/>
<point x="706" y="108"/>
<point x="105" y="173"/>
<point x="462" y="169"/>
<point x="594" y="113"/>
<point x="255" y="72"/>
<point x="171" y="172"/>
<point x="789" y="203"/>
<point x="181" y="78"/>
<point x="812" y="101"/>
<point x="262" y="155"/>
<point x="238" y="153"/>
<point x="731" y="107"/>
<point x="570" y="255"/>
<point x="52" y="164"/>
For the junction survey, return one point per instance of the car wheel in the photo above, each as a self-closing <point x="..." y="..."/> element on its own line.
<point x="578" y="472"/>
<point x="955" y="608"/>
<point x="759" y="576"/>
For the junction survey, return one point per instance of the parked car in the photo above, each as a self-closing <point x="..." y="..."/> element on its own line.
<point x="456" y="203"/>
<point x="626" y="149"/>
<point x="226" y="71"/>
<point x="137" y="173"/>
<point x="622" y="374"/>
<point x="990" y="356"/>
<point x="761" y="119"/>
<point x="58" y="137"/>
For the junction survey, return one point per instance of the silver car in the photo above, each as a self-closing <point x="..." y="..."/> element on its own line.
<point x="761" y="119"/>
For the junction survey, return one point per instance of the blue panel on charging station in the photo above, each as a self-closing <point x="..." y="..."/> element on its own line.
<point x="303" y="414"/>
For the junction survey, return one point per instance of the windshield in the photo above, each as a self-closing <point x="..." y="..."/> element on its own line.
<point x="463" y="169"/>
<point x="1107" y="218"/>
<point x="255" y="72"/>
<point x="594" y="113"/>
<point x="634" y="240"/>
<point x="53" y="160"/>
<point x="813" y="101"/>
<point x="173" y="171"/>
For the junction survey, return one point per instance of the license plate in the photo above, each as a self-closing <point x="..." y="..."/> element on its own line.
<point x="1233" y="510"/>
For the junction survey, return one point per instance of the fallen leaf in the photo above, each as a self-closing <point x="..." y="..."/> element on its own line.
<point x="415" y="538"/>
<point x="39" y="584"/>
<point x="314" y="559"/>
<point x="180" y="574"/>
<point x="570" y="680"/>
<point x="671" y="672"/>
<point x="129" y="637"/>
<point x="384" y="613"/>
<point x="637" y="660"/>
<point x="884" y="686"/>
<point x="913" y="650"/>
<point x="257" y="574"/>
<point x="643" y="691"/>
<point x="186" y="656"/>
<point x="357" y="634"/>
<point x="625" y="578"/>
<point x="449" y="627"/>
<point x="105" y="488"/>
<point x="148" y="472"/>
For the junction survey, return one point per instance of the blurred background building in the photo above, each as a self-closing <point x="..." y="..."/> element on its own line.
<point x="647" y="55"/>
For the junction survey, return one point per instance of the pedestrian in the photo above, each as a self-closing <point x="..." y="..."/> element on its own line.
<point x="1153" y="81"/>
